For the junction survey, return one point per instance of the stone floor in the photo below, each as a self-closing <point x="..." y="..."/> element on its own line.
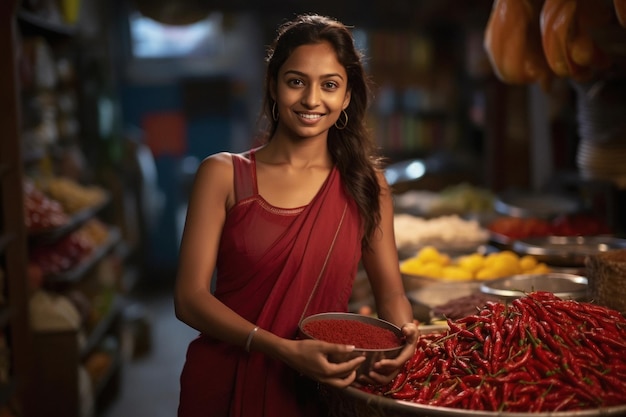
<point x="150" y="375"/>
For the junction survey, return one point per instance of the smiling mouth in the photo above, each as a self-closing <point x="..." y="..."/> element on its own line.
<point x="309" y="116"/>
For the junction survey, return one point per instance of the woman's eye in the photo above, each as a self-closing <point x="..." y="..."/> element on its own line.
<point x="330" y="85"/>
<point x="295" y="82"/>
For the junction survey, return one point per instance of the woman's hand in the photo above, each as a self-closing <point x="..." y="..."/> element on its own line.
<point x="311" y="358"/>
<point x="385" y="370"/>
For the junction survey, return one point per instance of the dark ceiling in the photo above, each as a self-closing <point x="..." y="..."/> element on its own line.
<point x="370" y="13"/>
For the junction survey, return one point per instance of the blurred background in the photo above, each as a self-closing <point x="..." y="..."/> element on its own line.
<point x="110" y="105"/>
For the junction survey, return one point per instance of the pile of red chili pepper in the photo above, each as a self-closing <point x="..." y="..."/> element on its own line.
<point x="538" y="353"/>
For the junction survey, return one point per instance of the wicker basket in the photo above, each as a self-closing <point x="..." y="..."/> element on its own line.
<point x="606" y="273"/>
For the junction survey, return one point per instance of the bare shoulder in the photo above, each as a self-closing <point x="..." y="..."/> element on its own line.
<point x="216" y="168"/>
<point x="214" y="177"/>
<point x="218" y="163"/>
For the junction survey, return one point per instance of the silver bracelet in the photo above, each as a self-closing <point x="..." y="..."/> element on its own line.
<point x="249" y="339"/>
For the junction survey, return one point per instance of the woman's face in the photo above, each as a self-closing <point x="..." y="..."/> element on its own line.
<point x="311" y="91"/>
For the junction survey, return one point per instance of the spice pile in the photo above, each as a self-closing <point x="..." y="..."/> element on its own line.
<point x="352" y="332"/>
<point x="537" y="354"/>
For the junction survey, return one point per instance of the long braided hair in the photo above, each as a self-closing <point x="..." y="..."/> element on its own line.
<point x="351" y="148"/>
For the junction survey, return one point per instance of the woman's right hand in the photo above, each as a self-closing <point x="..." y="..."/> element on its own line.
<point x="311" y="358"/>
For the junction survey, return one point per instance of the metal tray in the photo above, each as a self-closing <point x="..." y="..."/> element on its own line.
<point x="544" y="206"/>
<point x="566" y="286"/>
<point x="566" y="250"/>
<point x="353" y="401"/>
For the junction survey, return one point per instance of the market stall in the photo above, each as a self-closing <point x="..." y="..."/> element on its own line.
<point x="520" y="294"/>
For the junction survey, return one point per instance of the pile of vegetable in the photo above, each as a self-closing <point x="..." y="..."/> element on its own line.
<point x="430" y="262"/>
<point x="539" y="353"/>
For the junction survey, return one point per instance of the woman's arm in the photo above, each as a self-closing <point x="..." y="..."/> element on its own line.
<point x="211" y="196"/>
<point x="381" y="263"/>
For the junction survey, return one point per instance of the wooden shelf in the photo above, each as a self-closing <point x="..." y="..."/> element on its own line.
<point x="5" y="316"/>
<point x="33" y="24"/>
<point x="5" y="239"/>
<point x="45" y="366"/>
<point x="101" y="385"/>
<point x="103" y="327"/>
<point x="6" y="392"/>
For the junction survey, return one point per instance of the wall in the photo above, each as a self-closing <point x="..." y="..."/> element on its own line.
<point x="187" y="109"/>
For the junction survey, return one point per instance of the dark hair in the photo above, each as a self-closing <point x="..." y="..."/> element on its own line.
<point x="352" y="148"/>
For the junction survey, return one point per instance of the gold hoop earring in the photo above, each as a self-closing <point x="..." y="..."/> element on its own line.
<point x="345" y="123"/>
<point x="274" y="112"/>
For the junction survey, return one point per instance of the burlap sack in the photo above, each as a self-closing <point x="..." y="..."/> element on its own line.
<point x="606" y="273"/>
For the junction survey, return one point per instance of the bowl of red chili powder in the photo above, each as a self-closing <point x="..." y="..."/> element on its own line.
<point x="374" y="338"/>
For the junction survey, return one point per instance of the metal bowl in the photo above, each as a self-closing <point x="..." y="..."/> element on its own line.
<point x="371" y="355"/>
<point x="563" y="285"/>
<point x="566" y="250"/>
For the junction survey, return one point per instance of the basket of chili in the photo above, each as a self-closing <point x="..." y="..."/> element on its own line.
<point x="536" y="356"/>
<point x="374" y="338"/>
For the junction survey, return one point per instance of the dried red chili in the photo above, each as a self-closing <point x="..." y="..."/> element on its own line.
<point x="564" y="355"/>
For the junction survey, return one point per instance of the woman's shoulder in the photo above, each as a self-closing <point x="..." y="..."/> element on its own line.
<point x="217" y="161"/>
<point x="214" y="177"/>
<point x="214" y="167"/>
<point x="226" y="158"/>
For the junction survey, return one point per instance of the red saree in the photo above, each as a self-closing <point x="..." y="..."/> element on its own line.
<point x="275" y="267"/>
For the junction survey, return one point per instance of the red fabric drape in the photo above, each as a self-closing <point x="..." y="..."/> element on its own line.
<point x="275" y="267"/>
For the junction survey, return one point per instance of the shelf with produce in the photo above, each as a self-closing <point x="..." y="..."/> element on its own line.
<point x="75" y="221"/>
<point x="76" y="273"/>
<point x="55" y="318"/>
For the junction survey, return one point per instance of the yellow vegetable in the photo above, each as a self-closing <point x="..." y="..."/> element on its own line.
<point x="431" y="254"/>
<point x="486" y="274"/>
<point x="527" y="262"/>
<point x="432" y="269"/>
<point x="472" y="263"/>
<point x="430" y="262"/>
<point x="456" y="273"/>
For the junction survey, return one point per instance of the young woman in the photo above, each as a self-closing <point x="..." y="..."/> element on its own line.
<point x="284" y="226"/>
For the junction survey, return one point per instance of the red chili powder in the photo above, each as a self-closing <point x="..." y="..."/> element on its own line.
<point x="352" y="332"/>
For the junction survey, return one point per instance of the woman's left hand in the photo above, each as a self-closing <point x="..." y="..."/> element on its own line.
<point x="385" y="370"/>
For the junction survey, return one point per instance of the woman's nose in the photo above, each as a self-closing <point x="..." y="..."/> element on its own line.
<point x="311" y="96"/>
